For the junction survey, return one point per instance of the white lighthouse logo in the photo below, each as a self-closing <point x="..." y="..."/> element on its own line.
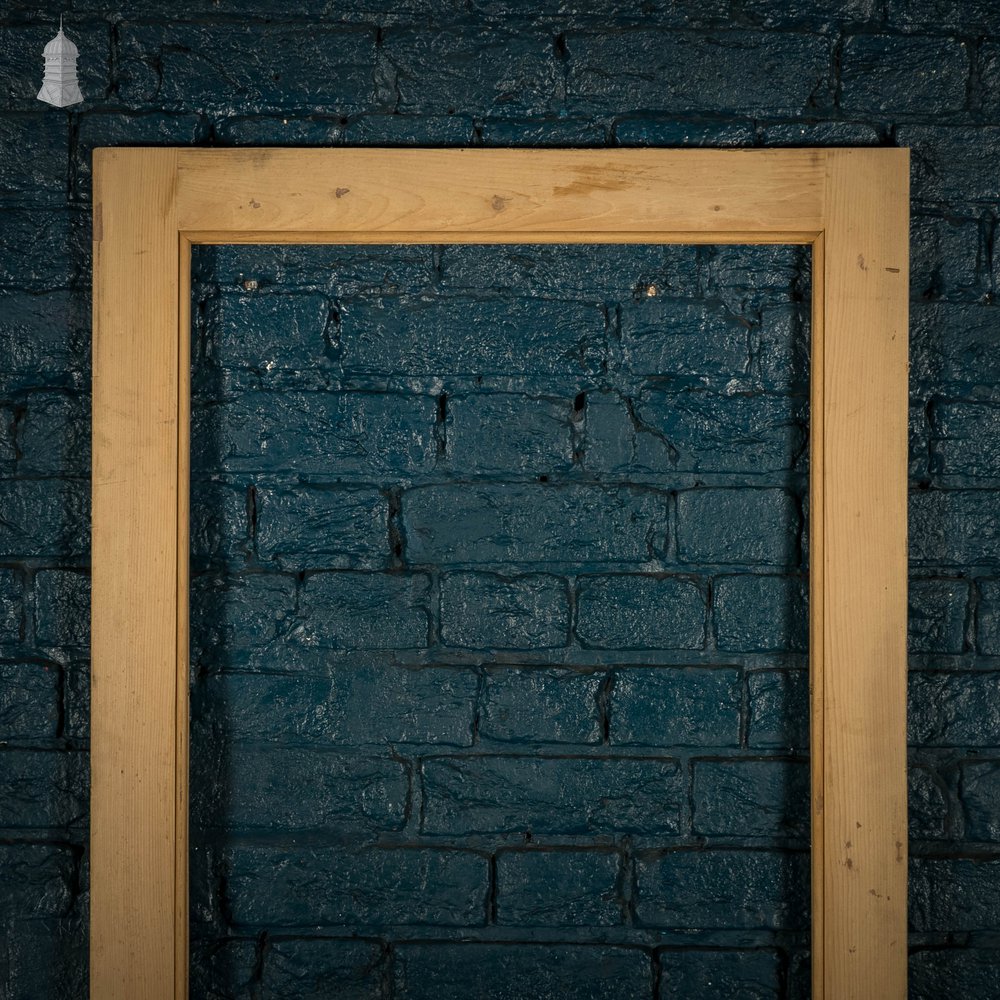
<point x="60" y="86"/>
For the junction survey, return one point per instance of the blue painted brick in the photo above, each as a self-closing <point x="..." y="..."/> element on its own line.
<point x="988" y="617"/>
<point x="42" y="788"/>
<point x="830" y="133"/>
<point x="470" y="69"/>
<point x="726" y="72"/>
<point x="739" y="274"/>
<point x="751" y="798"/>
<point x="29" y="701"/>
<point x="352" y="707"/>
<point x="928" y="804"/>
<point x="42" y="333"/>
<point x="396" y="130"/>
<point x="11" y="607"/>
<point x="533" y="524"/>
<point x="44" y="517"/>
<point x="953" y="163"/>
<point x="778" y="709"/>
<point x="960" y="971"/>
<point x="640" y="612"/>
<point x="675" y="706"/>
<point x="694" y="430"/>
<point x="937" y="610"/>
<point x="321" y="527"/>
<point x="221" y="66"/>
<point x="45" y="957"/>
<point x="744" y="526"/>
<point x="551" y="795"/>
<point x="336" y="886"/>
<point x="903" y="74"/>
<point x="559" y="888"/>
<point x="980" y="797"/>
<point x="502" y="971"/>
<point x="944" y="254"/>
<point x="526" y="336"/>
<point x="760" y="613"/>
<point x="541" y="706"/>
<point x="333" y="433"/>
<point x="953" y="528"/>
<point x="276" y="788"/>
<point x="723" y="888"/>
<point x="989" y="71"/>
<point x="35" y="244"/>
<point x="494" y="433"/>
<point x="34" y="158"/>
<point x="348" y="610"/>
<point x="220" y="522"/>
<point x="779" y="349"/>
<point x="965" y="439"/>
<point x="269" y="333"/>
<point x="962" y="894"/>
<point x="751" y="974"/>
<point x="938" y="15"/>
<point x="275" y="130"/>
<point x="62" y="608"/>
<point x="487" y="611"/>
<point x="651" y="130"/>
<point x="662" y="336"/>
<point x="221" y="968"/>
<point x="305" y="969"/>
<point x="954" y="709"/>
<point x="54" y="417"/>
<point x="38" y="880"/>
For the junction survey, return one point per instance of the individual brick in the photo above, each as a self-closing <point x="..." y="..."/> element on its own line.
<point x="944" y="15"/>
<point x="980" y="798"/>
<point x="663" y="336"/>
<point x="937" y="610"/>
<point x="44" y="517"/>
<point x="988" y="617"/>
<point x="953" y="528"/>
<point x="750" y="974"/>
<point x="965" y="439"/>
<point x="779" y="709"/>
<point x="11" y="607"/>
<point x="675" y="706"/>
<point x="34" y="162"/>
<point x="332" y="433"/>
<point x="54" y="417"/>
<point x="304" y="969"/>
<point x="217" y="66"/>
<point x="760" y="613"/>
<point x="779" y="346"/>
<point x="45" y="957"/>
<point x="541" y="706"/>
<point x="903" y="74"/>
<point x="962" y="894"/>
<point x="269" y="333"/>
<point x="38" y="881"/>
<point x="35" y="243"/>
<point x="388" y="129"/>
<point x="551" y="795"/>
<point x="695" y="430"/>
<point x="655" y="131"/>
<point x="222" y="512"/>
<point x="960" y="971"/>
<point x="928" y="804"/>
<point x="62" y="608"/>
<point x="470" y="69"/>
<point x="640" y="612"/>
<point x="321" y="526"/>
<point x="828" y="133"/>
<point x="751" y="798"/>
<point x="241" y="788"/>
<point x="726" y="72"/>
<point x="427" y="971"/>
<point x="559" y="888"/>
<point x="218" y="968"/>
<point x="337" y="886"/>
<point x="42" y="334"/>
<point x="951" y="162"/>
<point x="42" y="788"/>
<point x="512" y="523"/>
<point x="29" y="701"/>
<point x="349" y="610"/>
<point x="945" y="252"/>
<point x="744" y="526"/>
<point x="721" y="888"/>
<point x="954" y="709"/>
<point x="989" y="71"/>
<point x="526" y="336"/>
<point x="486" y="611"/>
<point x="355" y="706"/>
<point x="498" y="432"/>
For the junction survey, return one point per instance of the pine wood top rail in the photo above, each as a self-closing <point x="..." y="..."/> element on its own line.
<point x="850" y="205"/>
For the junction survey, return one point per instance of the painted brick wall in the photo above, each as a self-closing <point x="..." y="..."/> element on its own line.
<point x="352" y="506"/>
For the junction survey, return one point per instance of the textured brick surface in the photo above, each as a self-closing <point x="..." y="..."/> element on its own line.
<point x="500" y="552"/>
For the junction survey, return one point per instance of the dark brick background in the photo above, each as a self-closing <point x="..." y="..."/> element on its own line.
<point x="498" y="669"/>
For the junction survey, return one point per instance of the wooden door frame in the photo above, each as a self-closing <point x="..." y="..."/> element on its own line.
<point x="151" y="205"/>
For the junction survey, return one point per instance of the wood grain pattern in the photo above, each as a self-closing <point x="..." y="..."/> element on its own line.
<point x="152" y="204"/>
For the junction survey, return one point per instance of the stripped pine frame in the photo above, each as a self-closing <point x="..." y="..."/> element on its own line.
<point x="151" y="205"/>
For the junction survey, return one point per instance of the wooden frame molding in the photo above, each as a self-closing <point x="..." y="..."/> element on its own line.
<point x="150" y="205"/>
